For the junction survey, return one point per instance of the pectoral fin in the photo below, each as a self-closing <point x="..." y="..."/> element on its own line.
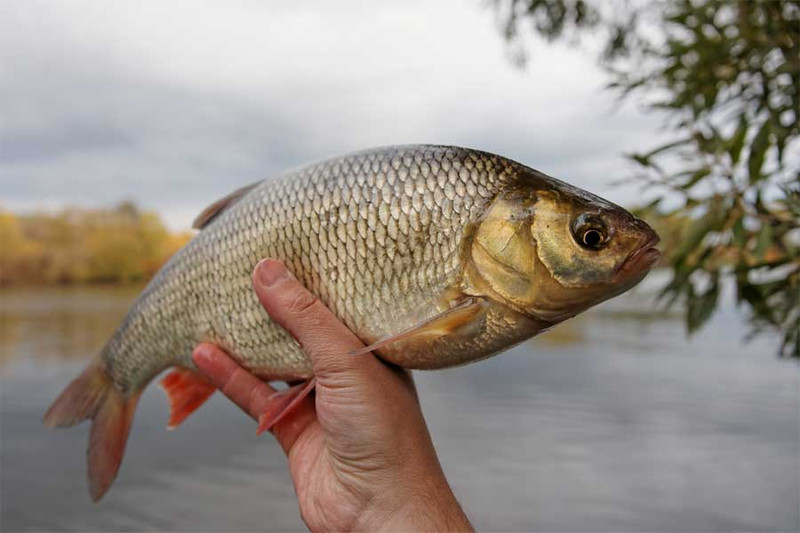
<point x="453" y="320"/>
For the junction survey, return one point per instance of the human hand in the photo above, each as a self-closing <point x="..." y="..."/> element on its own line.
<point x="359" y="452"/>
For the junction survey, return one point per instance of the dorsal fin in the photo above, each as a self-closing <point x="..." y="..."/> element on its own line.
<point x="211" y="212"/>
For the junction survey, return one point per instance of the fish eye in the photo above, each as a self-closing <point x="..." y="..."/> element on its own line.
<point x="590" y="232"/>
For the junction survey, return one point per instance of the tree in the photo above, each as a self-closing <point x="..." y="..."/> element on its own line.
<point x="84" y="246"/>
<point x="727" y="76"/>
<point x="12" y="244"/>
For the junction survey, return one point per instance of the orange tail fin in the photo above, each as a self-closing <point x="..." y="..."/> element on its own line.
<point x="92" y="395"/>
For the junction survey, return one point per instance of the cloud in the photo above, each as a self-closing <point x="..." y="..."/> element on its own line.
<point x="175" y="104"/>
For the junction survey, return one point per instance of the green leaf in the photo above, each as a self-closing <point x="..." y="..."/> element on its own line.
<point x="739" y="232"/>
<point x="737" y="140"/>
<point x="758" y="151"/>
<point x="700" y="307"/>
<point x="666" y="147"/>
<point x="650" y="208"/>
<point x="698" y="230"/>
<point x="781" y="134"/>
<point x="672" y="291"/>
<point x="697" y="176"/>
<point x="643" y="160"/>
<point x="764" y="241"/>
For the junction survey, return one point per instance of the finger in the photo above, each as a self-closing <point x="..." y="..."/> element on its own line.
<point x="324" y="338"/>
<point x="250" y="393"/>
<point x="239" y="385"/>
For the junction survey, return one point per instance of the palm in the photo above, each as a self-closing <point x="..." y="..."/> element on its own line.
<point x="341" y="449"/>
<point x="325" y="502"/>
<point x="359" y="452"/>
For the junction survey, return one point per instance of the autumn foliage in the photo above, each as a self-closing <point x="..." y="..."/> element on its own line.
<point x="84" y="246"/>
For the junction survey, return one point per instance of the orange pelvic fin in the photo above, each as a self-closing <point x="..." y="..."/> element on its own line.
<point x="187" y="390"/>
<point x="92" y="395"/>
<point x="282" y="403"/>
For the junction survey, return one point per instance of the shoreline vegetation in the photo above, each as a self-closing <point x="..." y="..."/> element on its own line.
<point x="78" y="246"/>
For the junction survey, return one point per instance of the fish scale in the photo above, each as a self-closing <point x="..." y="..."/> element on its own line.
<point x="374" y="235"/>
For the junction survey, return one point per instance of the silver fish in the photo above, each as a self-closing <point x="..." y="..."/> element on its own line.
<point x="434" y="256"/>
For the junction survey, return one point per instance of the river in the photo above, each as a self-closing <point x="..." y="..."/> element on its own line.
<point x="612" y="422"/>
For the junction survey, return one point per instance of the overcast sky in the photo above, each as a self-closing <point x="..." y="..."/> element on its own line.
<point x="174" y="104"/>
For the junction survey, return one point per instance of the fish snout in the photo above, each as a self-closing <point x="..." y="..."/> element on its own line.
<point x="645" y="255"/>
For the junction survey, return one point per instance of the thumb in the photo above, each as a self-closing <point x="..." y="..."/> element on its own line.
<point x="322" y="336"/>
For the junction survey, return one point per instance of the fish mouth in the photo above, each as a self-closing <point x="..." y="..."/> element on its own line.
<point x="642" y="259"/>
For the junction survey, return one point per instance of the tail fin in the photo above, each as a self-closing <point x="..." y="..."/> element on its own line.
<point x="92" y="395"/>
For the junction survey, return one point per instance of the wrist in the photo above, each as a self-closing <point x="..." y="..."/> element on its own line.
<point x="430" y="508"/>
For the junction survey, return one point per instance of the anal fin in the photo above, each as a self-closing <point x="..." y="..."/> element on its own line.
<point x="445" y="323"/>
<point x="187" y="390"/>
<point x="282" y="403"/>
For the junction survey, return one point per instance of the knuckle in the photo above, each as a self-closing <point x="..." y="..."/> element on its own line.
<point x="254" y="397"/>
<point x="302" y="302"/>
<point x="230" y="382"/>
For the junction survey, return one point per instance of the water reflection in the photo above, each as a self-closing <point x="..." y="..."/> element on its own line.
<point x="60" y="323"/>
<point x="610" y="422"/>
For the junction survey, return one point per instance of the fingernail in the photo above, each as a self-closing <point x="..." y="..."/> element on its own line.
<point x="270" y="272"/>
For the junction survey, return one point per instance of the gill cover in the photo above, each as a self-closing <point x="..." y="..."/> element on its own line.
<point x="503" y="262"/>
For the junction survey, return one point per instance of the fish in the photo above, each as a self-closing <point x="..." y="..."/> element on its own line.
<point x="434" y="256"/>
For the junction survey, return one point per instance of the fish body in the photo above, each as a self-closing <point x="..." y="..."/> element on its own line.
<point x="378" y="236"/>
<point x="434" y="256"/>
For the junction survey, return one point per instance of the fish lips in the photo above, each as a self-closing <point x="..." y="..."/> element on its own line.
<point x="641" y="260"/>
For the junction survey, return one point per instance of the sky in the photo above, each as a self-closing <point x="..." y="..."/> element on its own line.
<point x="174" y="104"/>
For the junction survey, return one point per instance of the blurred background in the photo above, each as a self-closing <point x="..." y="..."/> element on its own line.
<point x="119" y="122"/>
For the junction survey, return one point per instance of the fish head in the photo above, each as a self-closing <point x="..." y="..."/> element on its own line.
<point x="550" y="250"/>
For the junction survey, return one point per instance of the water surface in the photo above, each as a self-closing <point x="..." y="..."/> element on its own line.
<point x="612" y="422"/>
